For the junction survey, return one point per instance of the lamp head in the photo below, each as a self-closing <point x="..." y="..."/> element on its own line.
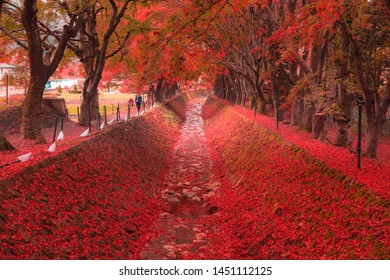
<point x="360" y="100"/>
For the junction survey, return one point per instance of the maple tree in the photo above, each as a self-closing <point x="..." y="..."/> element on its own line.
<point x="182" y="57"/>
<point x="291" y="204"/>
<point x="304" y="49"/>
<point x="100" y="40"/>
<point x="336" y="81"/>
<point x="4" y="144"/>
<point x="246" y="58"/>
<point x="36" y="37"/>
<point x="299" y="48"/>
<point x="367" y="27"/>
<point x="286" y="197"/>
<point x="152" y="68"/>
<point x="320" y="55"/>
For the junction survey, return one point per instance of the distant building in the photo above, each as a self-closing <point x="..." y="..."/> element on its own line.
<point x="63" y="83"/>
<point x="6" y="69"/>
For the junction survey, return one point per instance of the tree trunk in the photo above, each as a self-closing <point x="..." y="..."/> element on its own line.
<point x="260" y="99"/>
<point x="218" y="87"/>
<point x="261" y="107"/>
<point x="169" y="90"/>
<point x="4" y="144"/>
<point x="225" y="88"/>
<point x="244" y="95"/>
<point x="230" y="88"/>
<point x="318" y="127"/>
<point x="372" y="140"/>
<point x="244" y="98"/>
<point x="90" y="99"/>
<point x="297" y="112"/>
<point x="239" y="92"/>
<point x="376" y="109"/>
<point x="1" y="5"/>
<point x="343" y="135"/>
<point x="32" y="110"/>
<point x="375" y="124"/>
<point x="44" y="59"/>
<point x="164" y="90"/>
<point x="343" y="117"/>
<point x="345" y="99"/>
<point x="308" y="115"/>
<point x="158" y="94"/>
<point x="31" y="116"/>
<point x="94" y="55"/>
<point x="88" y="55"/>
<point x="152" y="94"/>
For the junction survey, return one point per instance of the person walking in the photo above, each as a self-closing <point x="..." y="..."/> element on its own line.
<point x="138" y="101"/>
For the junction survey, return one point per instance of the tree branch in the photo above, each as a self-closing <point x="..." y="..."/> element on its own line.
<point x="121" y="46"/>
<point x="17" y="41"/>
<point x="196" y="18"/>
<point x="1" y="5"/>
<point x="68" y="32"/>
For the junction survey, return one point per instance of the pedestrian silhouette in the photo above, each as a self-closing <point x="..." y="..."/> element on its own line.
<point x="138" y="101"/>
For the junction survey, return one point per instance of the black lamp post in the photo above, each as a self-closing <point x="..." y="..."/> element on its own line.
<point x="118" y="113"/>
<point x="105" y="114"/>
<point x="277" y="93"/>
<point x="360" y="102"/>
<point x="97" y="118"/>
<point x="6" y="89"/>
<point x="255" y="104"/>
<point x="89" y="110"/>
<point x="55" y="130"/>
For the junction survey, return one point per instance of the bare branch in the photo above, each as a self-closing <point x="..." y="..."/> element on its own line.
<point x="197" y="18"/>
<point x="17" y="40"/>
<point x="121" y="46"/>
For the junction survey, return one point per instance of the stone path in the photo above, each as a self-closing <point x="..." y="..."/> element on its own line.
<point x="189" y="186"/>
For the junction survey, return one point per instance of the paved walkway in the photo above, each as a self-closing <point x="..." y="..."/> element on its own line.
<point x="189" y="187"/>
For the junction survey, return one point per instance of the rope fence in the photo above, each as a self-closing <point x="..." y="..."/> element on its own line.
<point x="101" y="123"/>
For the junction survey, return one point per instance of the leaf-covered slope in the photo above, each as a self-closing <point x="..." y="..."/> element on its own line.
<point x="94" y="201"/>
<point x="290" y="205"/>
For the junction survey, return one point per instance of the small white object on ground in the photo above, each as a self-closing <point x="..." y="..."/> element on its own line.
<point x="111" y="122"/>
<point x="60" y="136"/>
<point x="25" y="157"/>
<point x="52" y="148"/>
<point x="85" y="133"/>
